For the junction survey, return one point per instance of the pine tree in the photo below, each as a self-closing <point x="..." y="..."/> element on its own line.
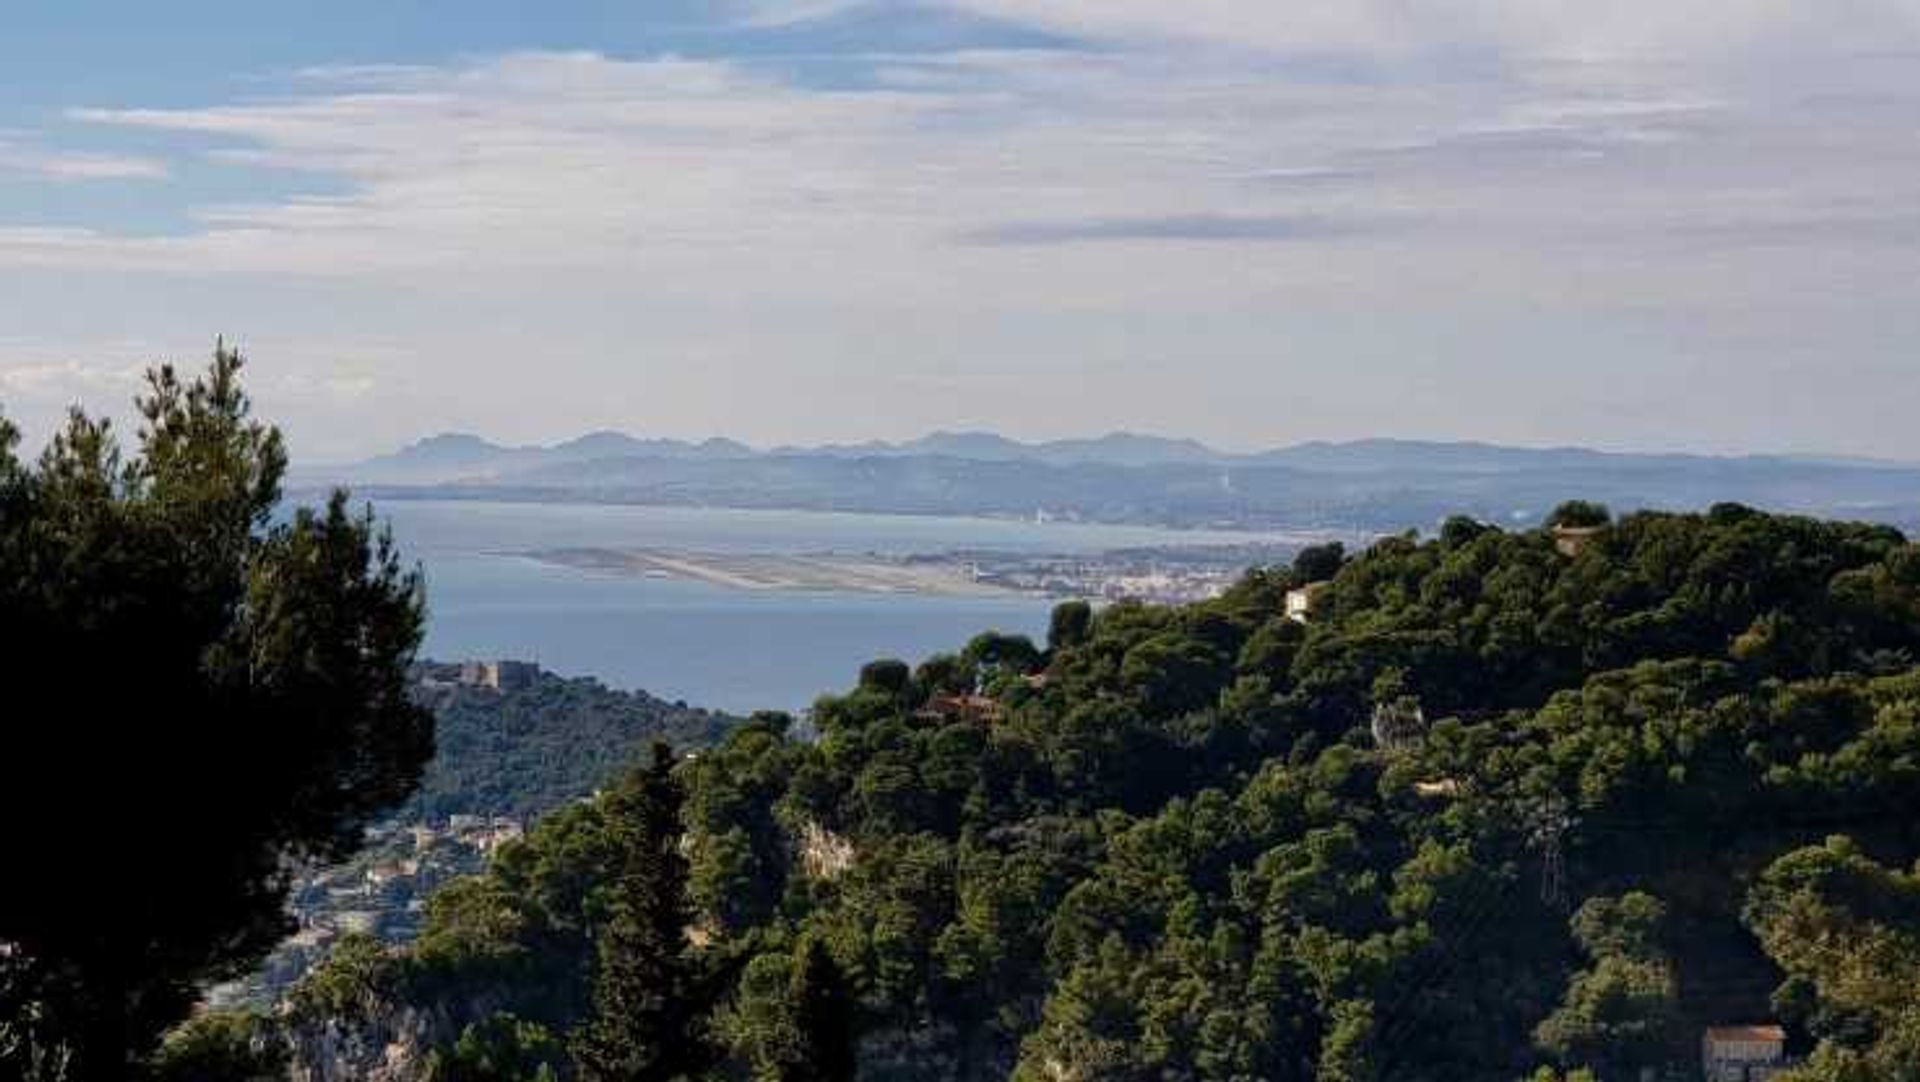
<point x="646" y="1013"/>
<point x="824" y="1010"/>
<point x="218" y="676"/>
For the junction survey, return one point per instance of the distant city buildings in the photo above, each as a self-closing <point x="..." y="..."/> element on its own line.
<point x="1170" y="575"/>
<point x="381" y="892"/>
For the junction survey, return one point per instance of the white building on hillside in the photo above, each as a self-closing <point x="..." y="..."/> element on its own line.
<point x="1743" y="1053"/>
<point x="1300" y="602"/>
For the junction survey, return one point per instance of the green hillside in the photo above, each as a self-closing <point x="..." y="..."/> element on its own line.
<point x="1503" y="803"/>
<point x="534" y="748"/>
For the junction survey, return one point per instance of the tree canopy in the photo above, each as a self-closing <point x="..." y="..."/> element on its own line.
<point x="208" y="687"/>
<point x="1498" y="809"/>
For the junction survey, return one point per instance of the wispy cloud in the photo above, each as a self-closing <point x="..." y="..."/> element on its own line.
<point x="64" y="380"/>
<point x="76" y="166"/>
<point x="1178" y="227"/>
<point x="775" y="13"/>
<point x="581" y="160"/>
<point x="1650" y="183"/>
<point x="1621" y="30"/>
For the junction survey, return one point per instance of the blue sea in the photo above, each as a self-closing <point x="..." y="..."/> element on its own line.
<point x="710" y="645"/>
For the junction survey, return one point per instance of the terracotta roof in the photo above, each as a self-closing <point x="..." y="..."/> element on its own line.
<point x="963" y="706"/>
<point x="1746" y="1033"/>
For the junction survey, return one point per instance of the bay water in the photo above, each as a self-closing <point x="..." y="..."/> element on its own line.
<point x="707" y="644"/>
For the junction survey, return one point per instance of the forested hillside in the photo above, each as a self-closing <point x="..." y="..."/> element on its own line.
<point x="530" y="749"/>
<point x="1502" y="805"/>
<point x="502" y="758"/>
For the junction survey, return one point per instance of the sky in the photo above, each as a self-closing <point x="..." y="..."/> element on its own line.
<point x="1633" y="225"/>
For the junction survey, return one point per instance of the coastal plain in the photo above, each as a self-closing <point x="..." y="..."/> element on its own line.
<point x="835" y="572"/>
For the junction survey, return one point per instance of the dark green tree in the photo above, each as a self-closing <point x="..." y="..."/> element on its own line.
<point x="1070" y="624"/>
<point x="1846" y="929"/>
<point x="646" y="1023"/>
<point x="1318" y="563"/>
<point x="1619" y="1014"/>
<point x="890" y="675"/>
<point x="499" y="1048"/>
<point x="1580" y="515"/>
<point x="222" y="1046"/>
<point x="992" y="652"/>
<point x="1461" y="530"/>
<point x="824" y="1009"/>
<point x="211" y="691"/>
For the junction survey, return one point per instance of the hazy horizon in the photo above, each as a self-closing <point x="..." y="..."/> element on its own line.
<point x="1636" y="227"/>
<point x="1078" y="437"/>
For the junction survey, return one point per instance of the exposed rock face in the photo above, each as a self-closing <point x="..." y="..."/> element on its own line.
<point x="1399" y="724"/>
<point x="387" y="1050"/>
<point x="824" y="854"/>
<point x="389" y="1044"/>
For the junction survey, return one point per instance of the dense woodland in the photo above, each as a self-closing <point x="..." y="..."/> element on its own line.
<point x="1493" y="811"/>
<point x="530" y="749"/>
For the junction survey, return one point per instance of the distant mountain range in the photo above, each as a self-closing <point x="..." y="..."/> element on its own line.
<point x="458" y="456"/>
<point x="1127" y="477"/>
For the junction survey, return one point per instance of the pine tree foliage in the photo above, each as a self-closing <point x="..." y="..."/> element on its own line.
<point x="210" y="686"/>
<point x="825" y="1017"/>
<point x="646" y="1023"/>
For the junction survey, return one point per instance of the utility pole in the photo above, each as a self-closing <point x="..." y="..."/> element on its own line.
<point x="1548" y="819"/>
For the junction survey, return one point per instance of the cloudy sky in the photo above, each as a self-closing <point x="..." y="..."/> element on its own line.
<point x="1635" y="224"/>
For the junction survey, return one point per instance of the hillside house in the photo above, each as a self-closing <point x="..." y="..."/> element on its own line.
<point x="1300" y="602"/>
<point x="1571" y="541"/>
<point x="961" y="708"/>
<point x="498" y="833"/>
<point x="1743" y="1053"/>
<point x="499" y="675"/>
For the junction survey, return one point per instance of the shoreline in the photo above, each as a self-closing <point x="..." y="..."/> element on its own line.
<point x="1176" y="529"/>
<point x="766" y="571"/>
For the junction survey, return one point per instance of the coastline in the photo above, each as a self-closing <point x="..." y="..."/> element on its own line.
<point x="768" y="571"/>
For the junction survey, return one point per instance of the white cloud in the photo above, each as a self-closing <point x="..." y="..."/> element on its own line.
<point x="38" y="383"/>
<point x="67" y="165"/>
<point x="672" y="167"/>
<point x="67" y="379"/>
<point x="1568" y="29"/>
<point x="777" y="13"/>
<point x="1507" y="199"/>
